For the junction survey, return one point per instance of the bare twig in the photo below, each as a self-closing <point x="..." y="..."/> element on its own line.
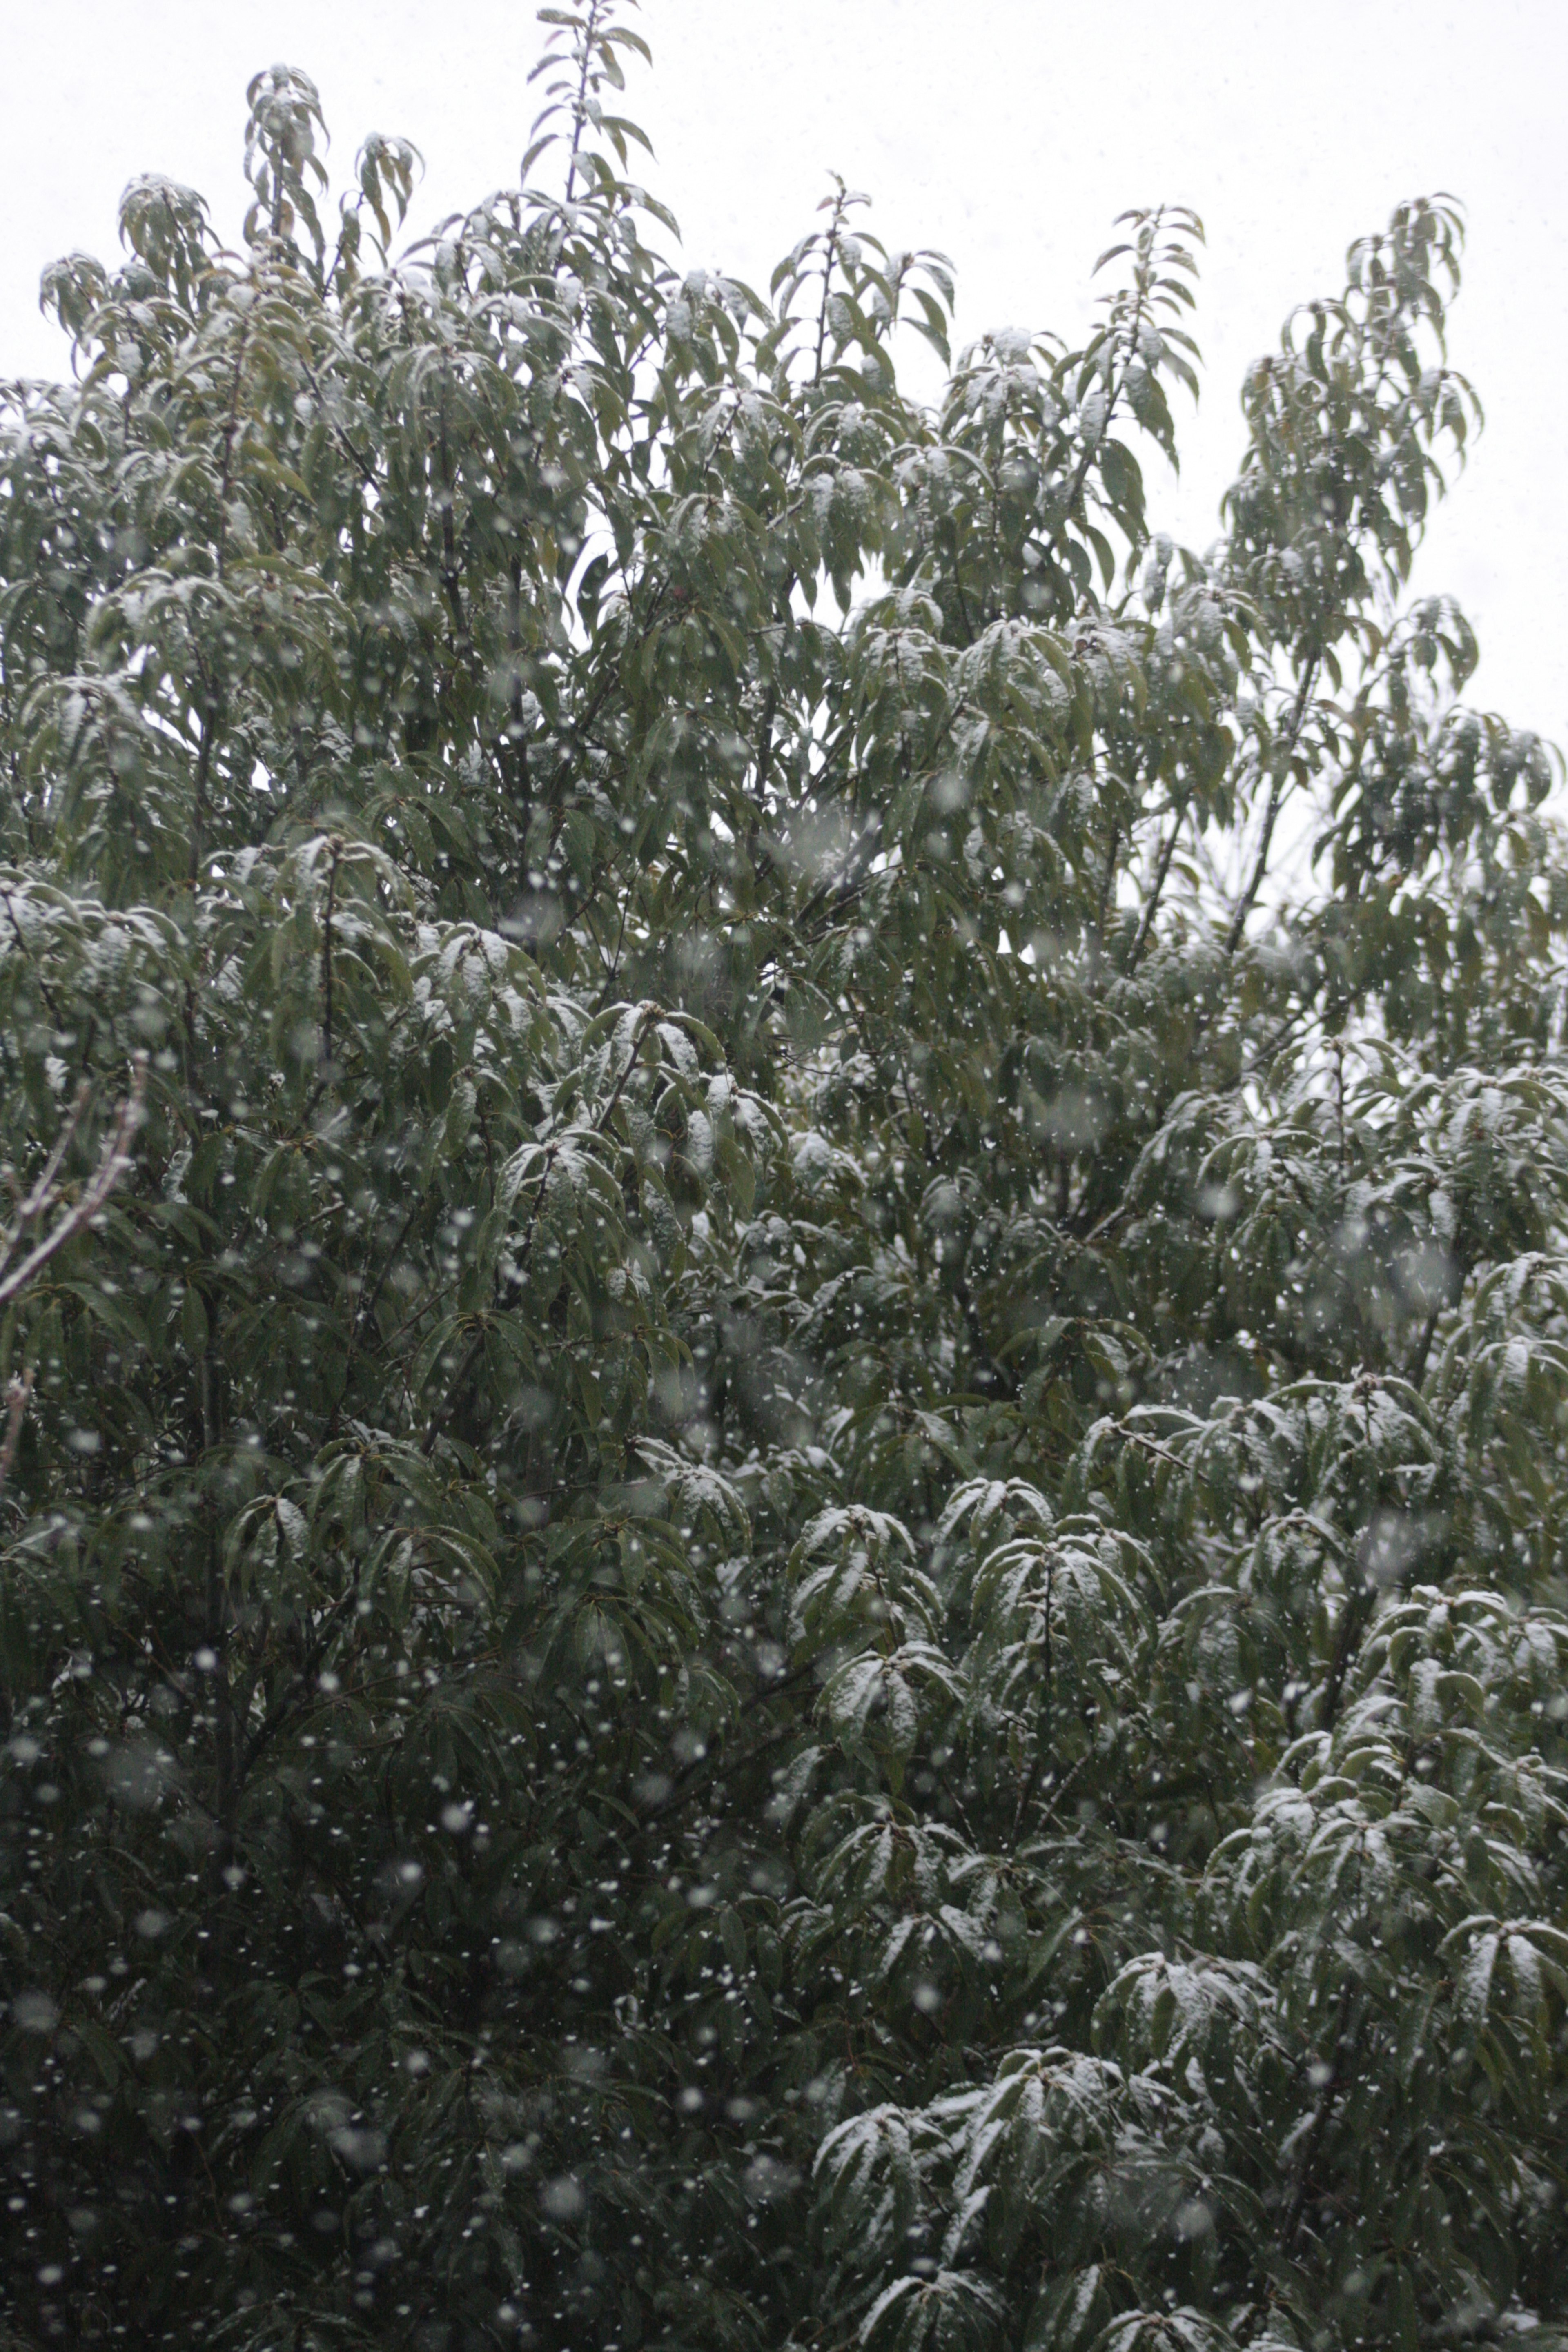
<point x="111" y="1167"/>
<point x="17" y="1398"/>
<point x="31" y="1209"/>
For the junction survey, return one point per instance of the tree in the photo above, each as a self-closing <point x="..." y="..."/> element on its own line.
<point x="783" y="1561"/>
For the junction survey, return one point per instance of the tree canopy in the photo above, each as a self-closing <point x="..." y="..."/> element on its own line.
<point x="782" y="1553"/>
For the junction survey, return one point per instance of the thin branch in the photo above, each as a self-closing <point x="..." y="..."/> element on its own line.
<point x="1118" y="385"/>
<point x="202" y="791"/>
<point x="208" y="707"/>
<point x="451" y="578"/>
<point x="1357" y="1609"/>
<point x="337" y="850"/>
<point x="1276" y="794"/>
<point x="279" y="1713"/>
<point x="829" y="257"/>
<point x="514" y="756"/>
<point x="16" y="1399"/>
<point x="30" y="1210"/>
<point x="580" y="110"/>
<point x="111" y="1167"/>
<point x="1136" y="954"/>
<point x="1043" y="1728"/>
<point x="698" y="1773"/>
<point x="643" y="1025"/>
<point x="1107" y="886"/>
<point x="1311" y="2147"/>
<point x="614" y="971"/>
<point x="1416" y="1371"/>
<point x="472" y="1352"/>
<point x="366" y="1312"/>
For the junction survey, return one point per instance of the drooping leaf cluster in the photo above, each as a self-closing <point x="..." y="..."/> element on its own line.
<point x="783" y="1564"/>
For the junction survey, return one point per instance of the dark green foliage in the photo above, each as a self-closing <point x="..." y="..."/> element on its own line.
<point x="789" y="1570"/>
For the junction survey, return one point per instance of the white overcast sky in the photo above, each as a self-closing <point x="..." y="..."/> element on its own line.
<point x="1008" y="135"/>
